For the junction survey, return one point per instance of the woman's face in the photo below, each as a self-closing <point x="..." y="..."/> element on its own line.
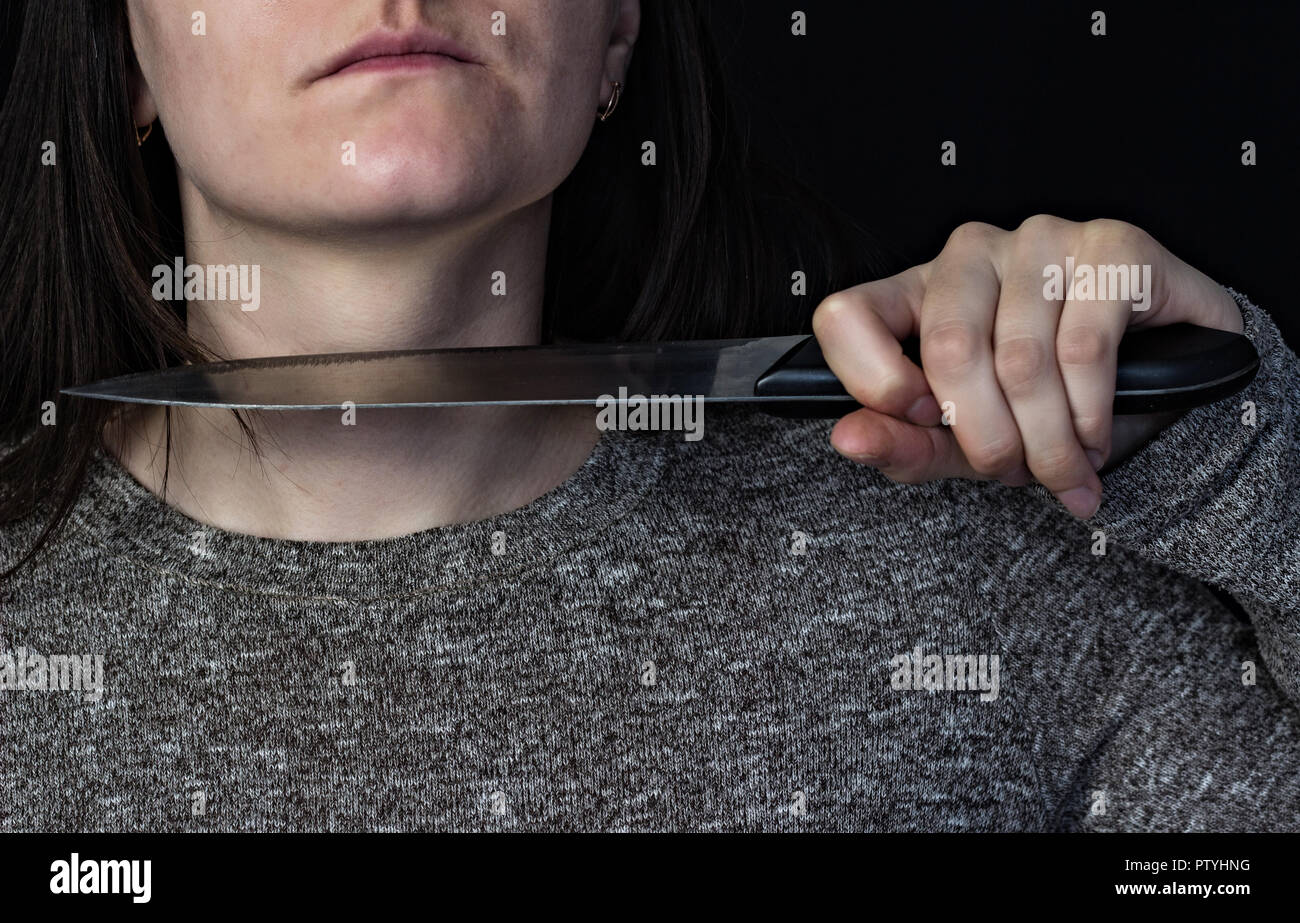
<point x="266" y="130"/>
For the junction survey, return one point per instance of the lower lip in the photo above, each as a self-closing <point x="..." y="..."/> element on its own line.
<point x="399" y="62"/>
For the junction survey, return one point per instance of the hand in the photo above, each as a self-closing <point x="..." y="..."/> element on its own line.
<point x="1026" y="374"/>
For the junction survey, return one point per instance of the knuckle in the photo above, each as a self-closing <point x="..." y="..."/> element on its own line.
<point x="832" y="310"/>
<point x="996" y="457"/>
<point x="1025" y="249"/>
<point x="1093" y="430"/>
<point x="952" y="346"/>
<point x="881" y="391"/>
<point x="1038" y="225"/>
<point x="971" y="234"/>
<point x="1021" y="363"/>
<point x="1054" y="467"/>
<point x="1084" y="345"/>
<point x="1107" y="235"/>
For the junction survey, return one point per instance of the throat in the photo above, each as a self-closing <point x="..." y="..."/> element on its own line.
<point x="357" y="475"/>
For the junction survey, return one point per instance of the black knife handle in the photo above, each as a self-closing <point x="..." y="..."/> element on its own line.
<point x="1159" y="369"/>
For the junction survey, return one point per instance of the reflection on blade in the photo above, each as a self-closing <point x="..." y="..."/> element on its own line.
<point x="718" y="370"/>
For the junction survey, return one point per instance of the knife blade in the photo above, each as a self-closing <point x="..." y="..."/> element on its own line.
<point x="1167" y="368"/>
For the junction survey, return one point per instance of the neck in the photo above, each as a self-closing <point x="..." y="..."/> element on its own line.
<point x="327" y="476"/>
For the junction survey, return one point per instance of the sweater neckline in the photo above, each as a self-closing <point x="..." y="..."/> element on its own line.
<point x="134" y="527"/>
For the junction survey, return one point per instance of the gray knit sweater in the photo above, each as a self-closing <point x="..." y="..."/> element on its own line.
<point x="746" y="632"/>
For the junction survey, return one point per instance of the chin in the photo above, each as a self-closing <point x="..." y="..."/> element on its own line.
<point x="398" y="189"/>
<point x="419" y="163"/>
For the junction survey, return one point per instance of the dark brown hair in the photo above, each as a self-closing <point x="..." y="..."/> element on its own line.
<point x="701" y="245"/>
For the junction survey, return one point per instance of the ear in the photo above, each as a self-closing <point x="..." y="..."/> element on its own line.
<point x="627" y="25"/>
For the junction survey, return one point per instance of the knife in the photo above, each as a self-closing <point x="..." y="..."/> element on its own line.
<point x="1170" y="368"/>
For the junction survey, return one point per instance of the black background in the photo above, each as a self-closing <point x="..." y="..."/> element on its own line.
<point x="796" y="876"/>
<point x="1144" y="124"/>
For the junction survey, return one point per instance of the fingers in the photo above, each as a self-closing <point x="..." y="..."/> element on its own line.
<point x="1087" y="349"/>
<point x="957" y="321"/>
<point x="860" y="330"/>
<point x="904" y="452"/>
<point x="1027" y="372"/>
<point x="1025" y="360"/>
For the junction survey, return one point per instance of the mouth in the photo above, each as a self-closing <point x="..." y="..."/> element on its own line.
<point x="419" y="49"/>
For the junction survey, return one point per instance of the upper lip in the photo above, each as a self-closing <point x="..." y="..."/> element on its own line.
<point x="384" y="44"/>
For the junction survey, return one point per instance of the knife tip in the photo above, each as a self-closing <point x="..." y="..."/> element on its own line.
<point x="86" y="393"/>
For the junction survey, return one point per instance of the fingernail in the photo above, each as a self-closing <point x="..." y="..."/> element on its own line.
<point x="1094" y="458"/>
<point x="924" y="411"/>
<point x="1081" y="501"/>
<point x="862" y="458"/>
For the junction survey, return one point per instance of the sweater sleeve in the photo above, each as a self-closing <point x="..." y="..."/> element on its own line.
<point x="1216" y="496"/>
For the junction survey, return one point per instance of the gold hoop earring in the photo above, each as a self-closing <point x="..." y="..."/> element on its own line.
<point x="613" y="102"/>
<point x="141" y="139"/>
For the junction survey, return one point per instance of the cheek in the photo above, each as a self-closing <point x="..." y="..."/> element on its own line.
<point x="217" y="108"/>
<point x="556" y="129"/>
<point x="559" y="100"/>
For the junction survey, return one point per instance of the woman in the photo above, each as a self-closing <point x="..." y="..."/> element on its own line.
<point x="502" y="619"/>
